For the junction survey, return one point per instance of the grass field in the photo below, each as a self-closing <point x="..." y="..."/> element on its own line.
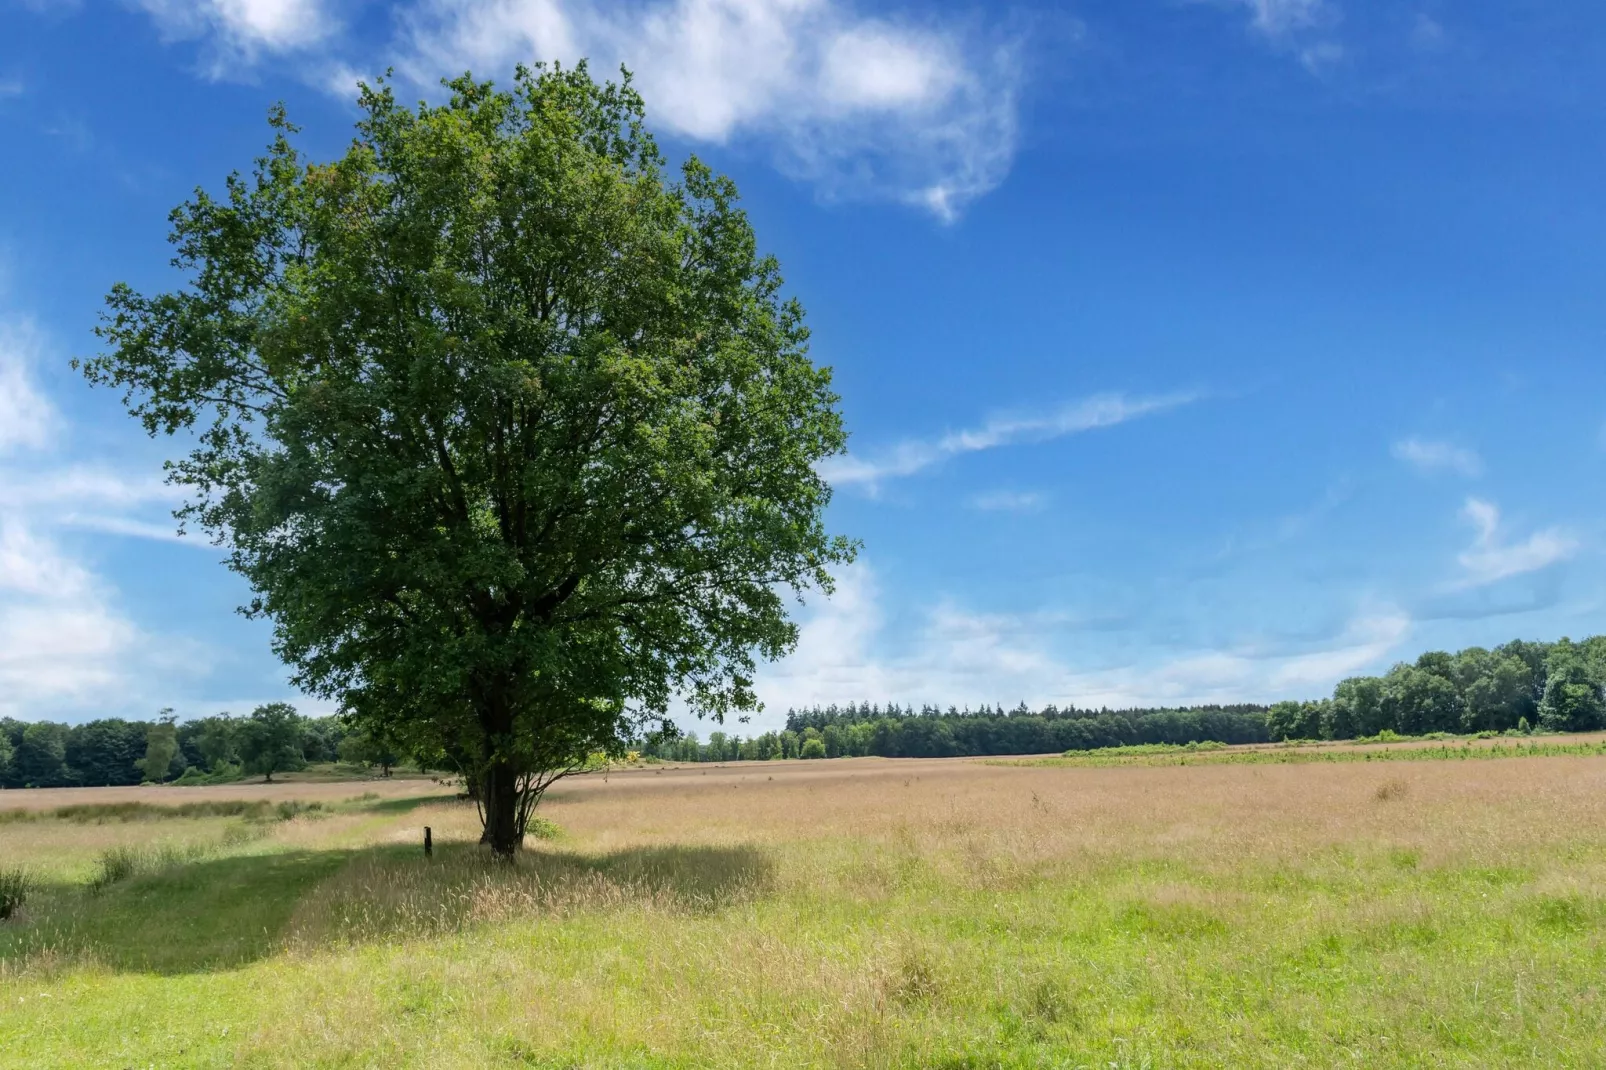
<point x="852" y="913"/>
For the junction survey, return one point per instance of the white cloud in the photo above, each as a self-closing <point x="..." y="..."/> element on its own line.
<point x="59" y="640"/>
<point x="1427" y="33"/>
<point x="1008" y="501"/>
<point x="1430" y="457"/>
<point x="918" y="109"/>
<point x="243" y="28"/>
<point x="909" y="457"/>
<point x="959" y="656"/>
<point x="76" y="484"/>
<point x="1277" y="18"/>
<point x="1297" y="27"/>
<point x="861" y="106"/>
<point x="63" y="643"/>
<point x="1489" y="560"/>
<point x="26" y="417"/>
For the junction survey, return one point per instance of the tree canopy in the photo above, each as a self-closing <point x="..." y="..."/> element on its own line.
<point x="512" y="434"/>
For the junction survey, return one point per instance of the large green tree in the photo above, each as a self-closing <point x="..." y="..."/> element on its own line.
<point x="510" y="430"/>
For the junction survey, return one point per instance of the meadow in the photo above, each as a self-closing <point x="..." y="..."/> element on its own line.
<point x="838" y="913"/>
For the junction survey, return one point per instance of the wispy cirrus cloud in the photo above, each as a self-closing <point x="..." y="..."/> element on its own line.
<point x="914" y="455"/>
<point x="1302" y="28"/>
<point x="1490" y="559"/>
<point x="1008" y="501"/>
<point x="26" y="417"/>
<point x="1430" y="457"/>
<point x="64" y="643"/>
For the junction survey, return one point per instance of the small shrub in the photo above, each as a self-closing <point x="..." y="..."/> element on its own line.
<point x="114" y="865"/>
<point x="15" y="884"/>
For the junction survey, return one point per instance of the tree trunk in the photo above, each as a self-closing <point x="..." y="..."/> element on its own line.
<point x="500" y="798"/>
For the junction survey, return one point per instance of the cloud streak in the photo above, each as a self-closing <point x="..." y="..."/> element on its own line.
<point x="26" y="417"/>
<point x="1489" y="559"/>
<point x="63" y="642"/>
<point x="1431" y="457"/>
<point x="915" y="455"/>
<point x="1297" y="27"/>
<point x="1008" y="501"/>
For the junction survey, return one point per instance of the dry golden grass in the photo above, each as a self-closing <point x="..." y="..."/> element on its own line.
<point x="880" y="913"/>
<point x="167" y="795"/>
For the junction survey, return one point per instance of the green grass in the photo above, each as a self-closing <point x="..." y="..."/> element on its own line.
<point x="1049" y="918"/>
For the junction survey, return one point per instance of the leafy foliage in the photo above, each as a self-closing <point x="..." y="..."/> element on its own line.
<point x="513" y="438"/>
<point x="161" y="747"/>
<point x="270" y="742"/>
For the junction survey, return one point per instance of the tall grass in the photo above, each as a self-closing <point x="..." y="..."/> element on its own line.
<point x="15" y="884"/>
<point x="123" y="861"/>
<point x="109" y="813"/>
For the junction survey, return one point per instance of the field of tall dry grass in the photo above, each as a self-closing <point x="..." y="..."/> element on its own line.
<point x="854" y="913"/>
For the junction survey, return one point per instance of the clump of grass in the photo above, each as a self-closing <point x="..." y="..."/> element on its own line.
<point x="114" y="865"/>
<point x="15" y="884"/>
<point x="121" y="862"/>
<point x="1392" y="789"/>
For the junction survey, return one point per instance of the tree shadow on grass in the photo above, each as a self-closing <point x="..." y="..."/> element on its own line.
<point x="408" y="805"/>
<point x="224" y="913"/>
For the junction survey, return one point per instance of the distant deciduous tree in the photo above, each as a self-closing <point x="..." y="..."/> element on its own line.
<point x="161" y="744"/>
<point x="217" y="739"/>
<point x="270" y="740"/>
<point x="1572" y="699"/>
<point x="41" y="756"/>
<point x="363" y="748"/>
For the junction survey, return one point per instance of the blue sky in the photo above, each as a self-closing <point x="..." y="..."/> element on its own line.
<point x="1192" y="350"/>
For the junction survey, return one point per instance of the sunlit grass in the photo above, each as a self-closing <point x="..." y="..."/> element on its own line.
<point x="863" y="914"/>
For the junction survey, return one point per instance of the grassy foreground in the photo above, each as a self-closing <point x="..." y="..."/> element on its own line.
<point x="853" y="913"/>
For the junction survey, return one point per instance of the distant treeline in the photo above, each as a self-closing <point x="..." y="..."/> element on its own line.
<point x="113" y="751"/>
<point x="1518" y="687"/>
<point x="897" y="731"/>
<point x="1554" y="687"/>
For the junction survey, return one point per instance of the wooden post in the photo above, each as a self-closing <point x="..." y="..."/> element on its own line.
<point x="429" y="846"/>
